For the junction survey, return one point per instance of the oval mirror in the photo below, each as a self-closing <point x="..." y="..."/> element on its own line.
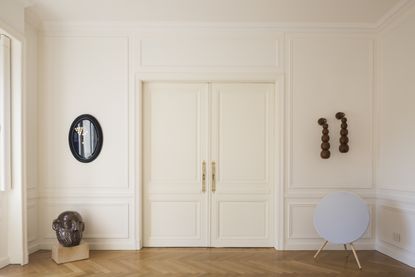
<point x="85" y="138"/>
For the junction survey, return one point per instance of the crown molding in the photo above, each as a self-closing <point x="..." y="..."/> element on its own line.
<point x="32" y="19"/>
<point x="394" y="14"/>
<point x="57" y="26"/>
<point x="25" y="3"/>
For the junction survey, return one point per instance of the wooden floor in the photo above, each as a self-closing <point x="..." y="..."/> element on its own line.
<point x="213" y="262"/>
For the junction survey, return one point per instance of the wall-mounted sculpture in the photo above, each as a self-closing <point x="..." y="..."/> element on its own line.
<point x="344" y="147"/>
<point x="69" y="227"/>
<point x="325" y="138"/>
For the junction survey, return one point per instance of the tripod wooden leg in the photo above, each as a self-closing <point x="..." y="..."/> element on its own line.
<point x="347" y="252"/>
<point x="321" y="248"/>
<point x="355" y="256"/>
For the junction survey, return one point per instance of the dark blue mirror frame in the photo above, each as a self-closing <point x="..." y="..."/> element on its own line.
<point x="99" y="138"/>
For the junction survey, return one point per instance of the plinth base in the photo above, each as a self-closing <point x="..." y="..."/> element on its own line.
<point x="61" y="254"/>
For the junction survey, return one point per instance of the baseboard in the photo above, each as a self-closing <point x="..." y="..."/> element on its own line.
<point x="4" y="261"/>
<point x="370" y="245"/>
<point x="33" y="247"/>
<point x="47" y="245"/>
<point x="397" y="253"/>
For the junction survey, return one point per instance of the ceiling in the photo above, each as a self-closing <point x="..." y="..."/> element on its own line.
<point x="258" y="11"/>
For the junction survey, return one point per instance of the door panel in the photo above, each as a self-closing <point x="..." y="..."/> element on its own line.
<point x="228" y="124"/>
<point x="242" y="130"/>
<point x="239" y="218"/>
<point x="175" y="144"/>
<point x="181" y="217"/>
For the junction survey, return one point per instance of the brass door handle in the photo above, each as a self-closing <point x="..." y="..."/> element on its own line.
<point x="203" y="176"/>
<point x="213" y="176"/>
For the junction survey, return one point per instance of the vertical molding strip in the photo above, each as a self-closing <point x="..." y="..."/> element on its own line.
<point x="5" y="118"/>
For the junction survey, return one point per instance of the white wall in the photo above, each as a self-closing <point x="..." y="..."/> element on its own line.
<point x="395" y="160"/>
<point x="327" y="73"/>
<point x="94" y="70"/>
<point x="77" y="75"/>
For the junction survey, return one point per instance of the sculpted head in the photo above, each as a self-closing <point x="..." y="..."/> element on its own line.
<point x="69" y="227"/>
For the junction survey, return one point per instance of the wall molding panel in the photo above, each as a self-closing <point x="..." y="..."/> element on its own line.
<point x="88" y="83"/>
<point x="107" y="221"/>
<point x="209" y="52"/>
<point x="300" y="216"/>
<point x="99" y="66"/>
<point x="396" y="218"/>
<point x="105" y="213"/>
<point x="291" y="234"/>
<point x="336" y="170"/>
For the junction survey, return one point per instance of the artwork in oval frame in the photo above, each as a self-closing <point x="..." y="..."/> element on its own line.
<point x="85" y="138"/>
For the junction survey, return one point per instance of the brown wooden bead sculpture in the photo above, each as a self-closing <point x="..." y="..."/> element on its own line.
<point x="343" y="148"/>
<point x="325" y="145"/>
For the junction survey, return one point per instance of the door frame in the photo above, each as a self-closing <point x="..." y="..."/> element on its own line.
<point x="279" y="126"/>
<point x="16" y="193"/>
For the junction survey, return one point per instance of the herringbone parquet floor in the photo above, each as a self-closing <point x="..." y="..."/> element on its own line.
<point x="213" y="262"/>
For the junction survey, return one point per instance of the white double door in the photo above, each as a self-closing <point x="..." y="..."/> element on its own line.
<point x="208" y="164"/>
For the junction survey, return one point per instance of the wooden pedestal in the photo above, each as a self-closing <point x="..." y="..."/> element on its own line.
<point x="61" y="254"/>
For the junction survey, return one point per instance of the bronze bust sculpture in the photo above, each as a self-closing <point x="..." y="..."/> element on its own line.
<point x="69" y="227"/>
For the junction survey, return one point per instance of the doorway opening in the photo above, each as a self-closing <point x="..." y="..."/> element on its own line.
<point x="208" y="164"/>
